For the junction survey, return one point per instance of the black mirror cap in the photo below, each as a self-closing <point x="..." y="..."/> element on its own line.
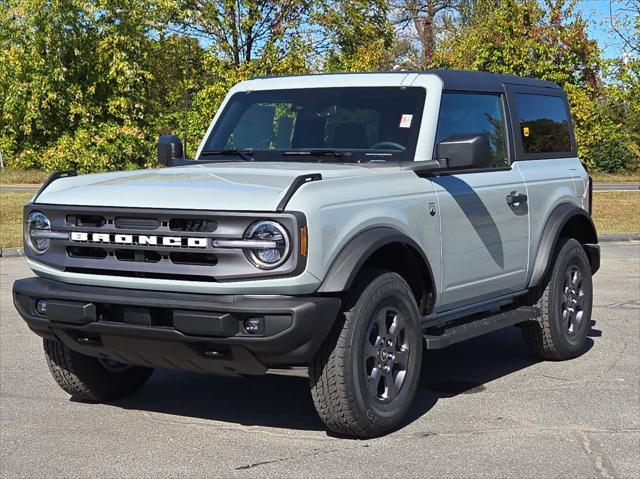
<point x="465" y="151"/>
<point x="169" y="149"/>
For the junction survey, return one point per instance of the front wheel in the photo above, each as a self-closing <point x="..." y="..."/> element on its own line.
<point x="365" y="376"/>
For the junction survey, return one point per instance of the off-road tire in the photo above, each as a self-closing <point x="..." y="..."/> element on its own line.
<point x="85" y="377"/>
<point x="337" y="373"/>
<point x="548" y="335"/>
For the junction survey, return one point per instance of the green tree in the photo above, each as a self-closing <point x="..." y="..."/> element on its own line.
<point x="358" y="35"/>
<point x="89" y="84"/>
<point x="179" y="72"/>
<point x="77" y="81"/>
<point x="251" y="38"/>
<point x="546" y="40"/>
<point x="224" y="75"/>
<point x="234" y="40"/>
<point x="622" y="97"/>
<point x="46" y="53"/>
<point x="239" y="31"/>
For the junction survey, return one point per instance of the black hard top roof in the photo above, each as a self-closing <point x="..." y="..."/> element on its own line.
<point x="460" y="79"/>
<point x="465" y="80"/>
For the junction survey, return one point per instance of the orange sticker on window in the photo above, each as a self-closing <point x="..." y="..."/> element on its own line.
<point x="525" y="131"/>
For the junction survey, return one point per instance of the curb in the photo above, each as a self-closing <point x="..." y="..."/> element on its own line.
<point x="11" y="252"/>
<point x="619" y="237"/>
<point x="616" y="186"/>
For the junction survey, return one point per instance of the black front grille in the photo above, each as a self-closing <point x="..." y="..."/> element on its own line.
<point x="140" y="256"/>
<point x="86" y="221"/>
<point x="204" y="259"/>
<point x="145" y="224"/>
<point x="189" y="224"/>
<point x="86" y="252"/>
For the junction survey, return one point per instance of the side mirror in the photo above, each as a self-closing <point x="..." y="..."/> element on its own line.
<point x="465" y="151"/>
<point x="169" y="149"/>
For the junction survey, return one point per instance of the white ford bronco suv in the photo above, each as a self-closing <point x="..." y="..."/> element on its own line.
<point x="337" y="222"/>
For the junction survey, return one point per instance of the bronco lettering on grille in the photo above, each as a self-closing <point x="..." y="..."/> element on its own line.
<point x="140" y="240"/>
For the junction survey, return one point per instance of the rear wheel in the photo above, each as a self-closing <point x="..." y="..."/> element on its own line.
<point x="92" y="379"/>
<point x="365" y="376"/>
<point x="560" y="330"/>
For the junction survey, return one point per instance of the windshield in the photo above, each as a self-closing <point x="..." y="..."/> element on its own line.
<point x="321" y="124"/>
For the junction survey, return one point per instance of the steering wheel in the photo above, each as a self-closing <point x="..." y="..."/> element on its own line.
<point x="387" y="145"/>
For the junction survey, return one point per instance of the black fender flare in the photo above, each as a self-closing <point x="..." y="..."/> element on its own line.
<point x="359" y="249"/>
<point x="556" y="222"/>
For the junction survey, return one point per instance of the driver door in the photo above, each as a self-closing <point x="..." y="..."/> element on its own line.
<point x="485" y="236"/>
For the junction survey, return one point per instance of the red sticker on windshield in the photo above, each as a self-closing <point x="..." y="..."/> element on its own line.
<point x="405" y="121"/>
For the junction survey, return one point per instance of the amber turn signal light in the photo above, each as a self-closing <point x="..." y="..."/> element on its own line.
<point x="303" y="240"/>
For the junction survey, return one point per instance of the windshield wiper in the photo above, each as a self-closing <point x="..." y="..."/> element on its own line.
<point x="343" y="155"/>
<point x="246" y="154"/>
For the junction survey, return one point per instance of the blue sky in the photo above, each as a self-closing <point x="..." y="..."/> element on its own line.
<point x="596" y="13"/>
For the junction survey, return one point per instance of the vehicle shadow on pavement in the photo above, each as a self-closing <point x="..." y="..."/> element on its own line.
<point x="269" y="401"/>
<point x="284" y="401"/>
<point x="466" y="367"/>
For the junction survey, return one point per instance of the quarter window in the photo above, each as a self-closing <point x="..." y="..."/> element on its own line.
<point x="474" y="113"/>
<point x="544" y="123"/>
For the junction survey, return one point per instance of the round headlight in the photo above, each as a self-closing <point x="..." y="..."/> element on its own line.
<point x="272" y="232"/>
<point x="37" y="221"/>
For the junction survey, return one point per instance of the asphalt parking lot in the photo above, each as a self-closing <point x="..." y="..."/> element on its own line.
<point x="485" y="408"/>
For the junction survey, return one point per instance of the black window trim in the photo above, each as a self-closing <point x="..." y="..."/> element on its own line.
<point x="509" y="150"/>
<point x="520" y="155"/>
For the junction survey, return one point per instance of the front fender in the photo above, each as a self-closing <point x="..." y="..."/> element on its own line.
<point x="358" y="250"/>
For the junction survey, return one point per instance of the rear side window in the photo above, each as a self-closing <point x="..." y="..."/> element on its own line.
<point x="475" y="113"/>
<point x="544" y="123"/>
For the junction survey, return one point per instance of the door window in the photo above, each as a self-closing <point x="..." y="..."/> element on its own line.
<point x="475" y="113"/>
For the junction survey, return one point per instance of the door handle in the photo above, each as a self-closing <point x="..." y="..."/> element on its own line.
<point x="514" y="199"/>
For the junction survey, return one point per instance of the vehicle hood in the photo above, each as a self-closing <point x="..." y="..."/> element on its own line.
<point x="211" y="186"/>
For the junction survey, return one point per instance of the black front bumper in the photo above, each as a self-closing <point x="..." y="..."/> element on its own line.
<point x="196" y="332"/>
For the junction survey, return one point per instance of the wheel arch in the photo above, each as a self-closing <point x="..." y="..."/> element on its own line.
<point x="383" y="248"/>
<point x="565" y="221"/>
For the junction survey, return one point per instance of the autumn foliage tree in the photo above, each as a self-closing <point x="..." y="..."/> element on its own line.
<point x="89" y="84"/>
<point x="547" y="40"/>
<point x="76" y="83"/>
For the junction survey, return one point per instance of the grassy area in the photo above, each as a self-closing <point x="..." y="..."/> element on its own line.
<point x="631" y="177"/>
<point x="616" y="211"/>
<point x="9" y="176"/>
<point x="11" y="204"/>
<point x="613" y="212"/>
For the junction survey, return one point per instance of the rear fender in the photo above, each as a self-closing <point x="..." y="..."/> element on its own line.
<point x="568" y="221"/>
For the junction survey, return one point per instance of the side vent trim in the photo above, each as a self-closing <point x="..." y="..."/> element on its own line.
<point x="295" y="185"/>
<point x="55" y="176"/>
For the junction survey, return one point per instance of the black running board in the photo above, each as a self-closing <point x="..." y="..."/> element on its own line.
<point x="457" y="332"/>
